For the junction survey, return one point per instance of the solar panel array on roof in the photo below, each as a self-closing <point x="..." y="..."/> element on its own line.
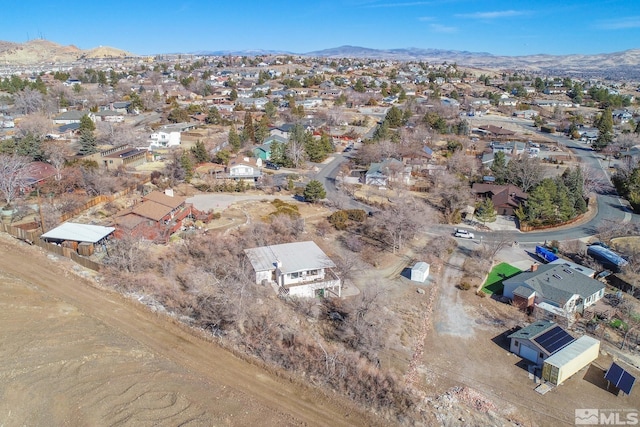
<point x="622" y="379"/>
<point x="554" y="339"/>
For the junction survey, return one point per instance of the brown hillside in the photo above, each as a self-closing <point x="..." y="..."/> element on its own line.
<point x="39" y="51"/>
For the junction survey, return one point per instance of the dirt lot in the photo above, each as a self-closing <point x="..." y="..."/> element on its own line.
<point x="74" y="354"/>
<point x="469" y="348"/>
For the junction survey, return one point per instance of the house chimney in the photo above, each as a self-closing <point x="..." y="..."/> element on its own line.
<point x="278" y="263"/>
<point x="534" y="267"/>
<point x="169" y="192"/>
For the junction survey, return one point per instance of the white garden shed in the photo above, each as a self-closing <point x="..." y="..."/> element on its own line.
<point x="420" y="271"/>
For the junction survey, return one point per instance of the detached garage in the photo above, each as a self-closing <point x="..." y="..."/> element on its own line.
<point x="566" y="362"/>
<point x="420" y="272"/>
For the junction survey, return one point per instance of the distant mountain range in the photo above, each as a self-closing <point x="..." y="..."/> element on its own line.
<point x="618" y="65"/>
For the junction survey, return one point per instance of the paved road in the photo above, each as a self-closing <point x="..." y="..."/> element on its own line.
<point x="327" y="174"/>
<point x="610" y="205"/>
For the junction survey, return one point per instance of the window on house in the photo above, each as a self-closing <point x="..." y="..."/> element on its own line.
<point x="295" y="275"/>
<point x="312" y="273"/>
<point x="541" y="354"/>
<point x="516" y="344"/>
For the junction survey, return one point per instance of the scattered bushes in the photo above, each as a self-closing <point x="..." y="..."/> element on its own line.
<point x="340" y="219"/>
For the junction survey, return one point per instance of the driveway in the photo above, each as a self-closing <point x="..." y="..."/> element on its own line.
<point x="220" y="201"/>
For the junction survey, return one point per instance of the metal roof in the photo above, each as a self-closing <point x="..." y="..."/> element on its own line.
<point x="573" y="350"/>
<point x="298" y="256"/>
<point x="78" y="232"/>
<point x="533" y="330"/>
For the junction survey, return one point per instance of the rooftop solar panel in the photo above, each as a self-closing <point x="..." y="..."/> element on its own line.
<point x="622" y="379"/>
<point x="554" y="339"/>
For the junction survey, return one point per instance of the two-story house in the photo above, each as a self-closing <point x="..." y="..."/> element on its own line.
<point x="299" y="269"/>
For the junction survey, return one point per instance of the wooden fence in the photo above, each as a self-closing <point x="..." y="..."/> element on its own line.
<point x="33" y="237"/>
<point x="98" y="200"/>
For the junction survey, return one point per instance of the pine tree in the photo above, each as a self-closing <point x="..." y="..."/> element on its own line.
<point x="187" y="165"/>
<point x="88" y="143"/>
<point x="199" y="152"/>
<point x="605" y="129"/>
<point x="249" y="132"/>
<point x="234" y="139"/>
<point x="314" y="191"/>
<point x="486" y="211"/>
<point x="499" y="167"/>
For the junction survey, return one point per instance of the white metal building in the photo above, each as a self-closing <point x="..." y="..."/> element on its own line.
<point x="566" y="362"/>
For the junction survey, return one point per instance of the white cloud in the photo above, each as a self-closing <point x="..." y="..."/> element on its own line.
<point x="493" y="15"/>
<point x="439" y="28"/>
<point x="620" y="23"/>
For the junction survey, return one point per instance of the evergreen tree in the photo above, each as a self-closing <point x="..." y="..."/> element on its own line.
<point x="262" y="129"/>
<point x="249" y="132"/>
<point x="270" y="110"/>
<point x="394" y="117"/>
<point x="86" y="124"/>
<point x="486" y="211"/>
<point x="314" y="191"/>
<point x="605" y="129"/>
<point x="199" y="152"/>
<point x="213" y="116"/>
<point x="499" y="167"/>
<point x="187" y="165"/>
<point x="234" y="139"/>
<point x="88" y="143"/>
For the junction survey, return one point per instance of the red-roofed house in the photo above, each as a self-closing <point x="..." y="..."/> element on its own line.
<point x="506" y="198"/>
<point x="155" y="218"/>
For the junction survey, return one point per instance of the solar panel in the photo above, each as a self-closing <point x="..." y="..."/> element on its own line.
<point x="620" y="378"/>
<point x="554" y="339"/>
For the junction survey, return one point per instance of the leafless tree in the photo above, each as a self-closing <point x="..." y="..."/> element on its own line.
<point x="525" y="172"/>
<point x="490" y="247"/>
<point x="593" y="181"/>
<point x="362" y="323"/>
<point x="401" y="220"/>
<point x="127" y="253"/>
<point x="57" y="152"/>
<point x="119" y="134"/>
<point x="13" y="175"/>
<point x="295" y="151"/>
<point x="455" y="196"/>
<point x="36" y="124"/>
<point x="29" y="101"/>
<point x="462" y="164"/>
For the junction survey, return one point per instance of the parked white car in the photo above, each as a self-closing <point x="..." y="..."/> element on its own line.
<point x="463" y="233"/>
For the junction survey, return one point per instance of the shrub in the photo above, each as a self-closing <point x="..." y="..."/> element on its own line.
<point x="465" y="286"/>
<point x="339" y="220"/>
<point x="357" y="215"/>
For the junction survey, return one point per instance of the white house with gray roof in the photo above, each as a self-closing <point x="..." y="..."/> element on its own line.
<point x="299" y="269"/>
<point x="557" y="285"/>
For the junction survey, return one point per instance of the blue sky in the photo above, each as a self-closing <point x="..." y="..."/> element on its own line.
<point x="500" y="27"/>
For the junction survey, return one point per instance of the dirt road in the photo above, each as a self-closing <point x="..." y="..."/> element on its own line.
<point x="75" y="354"/>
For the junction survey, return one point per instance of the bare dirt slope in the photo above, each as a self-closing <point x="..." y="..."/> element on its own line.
<point x="74" y="354"/>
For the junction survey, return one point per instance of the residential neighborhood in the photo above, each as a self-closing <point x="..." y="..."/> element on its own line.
<point x="358" y="224"/>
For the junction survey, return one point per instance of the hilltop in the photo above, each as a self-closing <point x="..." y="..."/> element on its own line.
<point x="40" y="50"/>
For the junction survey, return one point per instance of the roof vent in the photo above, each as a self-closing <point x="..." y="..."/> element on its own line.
<point x="557" y="276"/>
